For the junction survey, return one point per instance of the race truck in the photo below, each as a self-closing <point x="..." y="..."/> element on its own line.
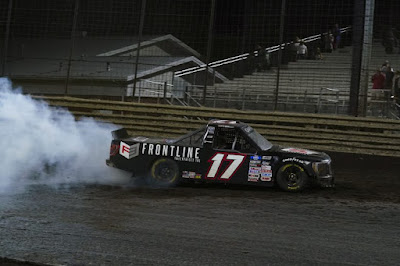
<point x="223" y="151"/>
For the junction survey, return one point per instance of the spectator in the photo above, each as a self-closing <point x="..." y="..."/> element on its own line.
<point x="328" y="42"/>
<point x="302" y="51"/>
<point x="267" y="60"/>
<point x="378" y="80"/>
<point x="321" y="42"/>
<point x="260" y="58"/>
<point x="389" y="75"/>
<point x="318" y="54"/>
<point x="385" y="65"/>
<point x="337" y="36"/>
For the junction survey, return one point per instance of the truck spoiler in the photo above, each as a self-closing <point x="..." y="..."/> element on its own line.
<point x="121" y="133"/>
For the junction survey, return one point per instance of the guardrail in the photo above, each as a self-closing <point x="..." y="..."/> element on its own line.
<point x="320" y="132"/>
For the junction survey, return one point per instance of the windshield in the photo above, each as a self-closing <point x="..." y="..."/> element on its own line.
<point x="258" y="139"/>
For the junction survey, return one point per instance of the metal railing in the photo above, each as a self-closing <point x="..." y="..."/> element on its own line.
<point x="244" y="56"/>
<point x="335" y="101"/>
<point x="160" y="92"/>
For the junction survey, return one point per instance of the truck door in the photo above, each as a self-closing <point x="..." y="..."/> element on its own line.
<point x="226" y="155"/>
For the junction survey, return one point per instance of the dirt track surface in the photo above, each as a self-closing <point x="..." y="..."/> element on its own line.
<point x="358" y="222"/>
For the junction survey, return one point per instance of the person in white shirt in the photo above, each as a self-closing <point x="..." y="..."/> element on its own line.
<point x="302" y="51"/>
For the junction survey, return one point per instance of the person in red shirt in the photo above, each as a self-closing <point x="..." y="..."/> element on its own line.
<point x="378" y="80"/>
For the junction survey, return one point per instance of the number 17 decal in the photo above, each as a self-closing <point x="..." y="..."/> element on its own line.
<point x="216" y="162"/>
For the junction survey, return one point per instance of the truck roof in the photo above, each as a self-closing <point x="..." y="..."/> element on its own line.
<point x="231" y="123"/>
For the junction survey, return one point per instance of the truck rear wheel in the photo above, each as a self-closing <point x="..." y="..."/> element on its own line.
<point x="164" y="172"/>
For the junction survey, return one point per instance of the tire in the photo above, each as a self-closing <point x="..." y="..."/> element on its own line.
<point x="164" y="172"/>
<point x="292" y="177"/>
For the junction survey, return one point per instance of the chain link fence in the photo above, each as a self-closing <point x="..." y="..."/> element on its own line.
<point x="303" y="56"/>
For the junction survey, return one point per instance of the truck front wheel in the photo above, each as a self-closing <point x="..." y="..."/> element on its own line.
<point x="292" y="177"/>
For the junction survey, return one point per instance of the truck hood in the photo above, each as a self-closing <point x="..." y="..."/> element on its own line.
<point x="301" y="153"/>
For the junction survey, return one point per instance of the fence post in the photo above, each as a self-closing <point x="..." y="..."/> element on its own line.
<point x="358" y="31"/>
<point x="142" y="13"/>
<point x="215" y="95"/>
<point x="185" y="96"/>
<point x="366" y="54"/>
<point x="3" y="67"/>
<point x="209" y="48"/>
<point x="304" y="102"/>
<point x="76" y="10"/>
<point x="281" y="29"/>
<point x="244" y="98"/>
<point x="165" y="92"/>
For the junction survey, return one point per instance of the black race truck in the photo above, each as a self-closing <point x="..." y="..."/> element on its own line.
<point x="223" y="151"/>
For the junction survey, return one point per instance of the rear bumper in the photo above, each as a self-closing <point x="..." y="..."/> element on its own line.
<point x="109" y="163"/>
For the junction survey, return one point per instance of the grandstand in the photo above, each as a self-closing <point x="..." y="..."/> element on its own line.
<point x="304" y="85"/>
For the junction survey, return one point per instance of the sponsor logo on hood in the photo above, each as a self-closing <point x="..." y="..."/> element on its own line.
<point x="299" y="151"/>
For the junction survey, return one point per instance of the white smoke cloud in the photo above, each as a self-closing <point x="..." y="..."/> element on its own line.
<point x="45" y="145"/>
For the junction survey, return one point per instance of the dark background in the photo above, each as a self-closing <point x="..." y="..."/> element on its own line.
<point x="239" y="25"/>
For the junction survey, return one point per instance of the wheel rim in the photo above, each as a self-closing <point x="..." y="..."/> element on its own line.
<point x="292" y="176"/>
<point x="164" y="172"/>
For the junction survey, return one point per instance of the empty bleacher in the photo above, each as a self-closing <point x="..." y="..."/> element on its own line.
<point x="303" y="85"/>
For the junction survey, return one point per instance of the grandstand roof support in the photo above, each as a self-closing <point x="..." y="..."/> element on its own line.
<point x="366" y="54"/>
<point x="142" y="13"/>
<point x="358" y="37"/>
<point x="5" y="52"/>
<point x="281" y="29"/>
<point x="71" y="50"/>
<point x="209" y="47"/>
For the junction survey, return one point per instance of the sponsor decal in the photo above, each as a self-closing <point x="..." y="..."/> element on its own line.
<point x="185" y="174"/>
<point x="255" y="157"/>
<point x="192" y="175"/>
<point x="267" y="158"/>
<point x="265" y="163"/>
<point x="300" y="151"/>
<point x="255" y="168"/>
<point x="266" y="178"/>
<point x="224" y="122"/>
<point x="186" y="154"/>
<point x="253" y="177"/>
<point x="140" y="139"/>
<point x="128" y="151"/>
<point x="266" y="173"/>
<point x="254" y="171"/>
<point x="114" y="149"/>
<point x="255" y="161"/>
<point x="295" y="160"/>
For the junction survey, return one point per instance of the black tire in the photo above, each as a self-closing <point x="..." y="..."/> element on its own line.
<point x="164" y="172"/>
<point x="292" y="177"/>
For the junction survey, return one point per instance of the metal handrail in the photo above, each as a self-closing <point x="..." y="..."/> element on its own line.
<point x="157" y="82"/>
<point x="244" y="56"/>
<point x="335" y="101"/>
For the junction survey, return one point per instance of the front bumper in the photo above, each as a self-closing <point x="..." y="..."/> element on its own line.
<point x="326" y="181"/>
